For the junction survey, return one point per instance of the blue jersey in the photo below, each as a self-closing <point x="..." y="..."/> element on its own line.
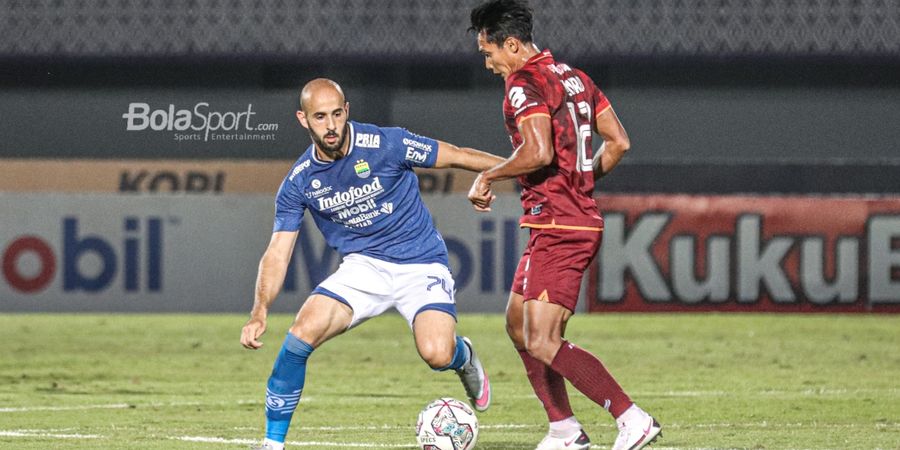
<point x="367" y="202"/>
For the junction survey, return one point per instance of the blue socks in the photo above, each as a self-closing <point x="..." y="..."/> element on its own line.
<point x="289" y="374"/>
<point x="285" y="386"/>
<point x="460" y="357"/>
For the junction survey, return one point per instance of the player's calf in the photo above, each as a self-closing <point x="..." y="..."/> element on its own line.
<point x="284" y="388"/>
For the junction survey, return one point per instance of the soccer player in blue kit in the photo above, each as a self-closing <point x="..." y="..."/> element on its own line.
<point x="357" y="182"/>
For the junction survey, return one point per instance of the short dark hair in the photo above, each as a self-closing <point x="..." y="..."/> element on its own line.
<point x="501" y="19"/>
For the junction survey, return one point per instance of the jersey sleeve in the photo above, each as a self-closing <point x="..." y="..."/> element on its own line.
<point x="289" y="207"/>
<point x="599" y="100"/>
<point x="525" y="96"/>
<point x="412" y="150"/>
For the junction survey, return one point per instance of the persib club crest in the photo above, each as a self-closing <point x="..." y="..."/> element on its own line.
<point x="362" y="169"/>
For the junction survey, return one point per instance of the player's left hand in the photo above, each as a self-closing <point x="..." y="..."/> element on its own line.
<point x="253" y="329"/>
<point x="480" y="194"/>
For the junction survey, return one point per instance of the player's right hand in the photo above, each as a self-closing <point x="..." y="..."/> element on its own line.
<point x="480" y="194"/>
<point x="253" y="329"/>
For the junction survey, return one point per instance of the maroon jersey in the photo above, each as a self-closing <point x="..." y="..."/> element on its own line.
<point x="560" y="194"/>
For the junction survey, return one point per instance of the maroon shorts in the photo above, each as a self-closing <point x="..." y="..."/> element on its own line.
<point x="554" y="263"/>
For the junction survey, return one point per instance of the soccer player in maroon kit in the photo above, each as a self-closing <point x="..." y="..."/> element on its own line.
<point x="551" y="110"/>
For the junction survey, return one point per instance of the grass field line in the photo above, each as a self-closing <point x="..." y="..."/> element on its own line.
<point x="501" y="426"/>
<point x="44" y="434"/>
<point x="13" y="409"/>
<point x="353" y="444"/>
<point x="778" y="393"/>
<point x="770" y="392"/>
<point x="108" y="406"/>
<point x="216" y="440"/>
<point x="64" y="408"/>
<point x="36" y="433"/>
<point x="368" y="445"/>
<point x="671" y="393"/>
<point x="519" y="426"/>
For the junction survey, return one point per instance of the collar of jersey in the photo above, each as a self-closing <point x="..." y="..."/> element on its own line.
<point x="349" y="149"/>
<point x="534" y="59"/>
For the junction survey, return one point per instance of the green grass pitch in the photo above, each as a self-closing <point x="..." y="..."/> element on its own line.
<point x="183" y="381"/>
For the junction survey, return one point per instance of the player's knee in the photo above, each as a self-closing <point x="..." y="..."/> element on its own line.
<point x="541" y="347"/>
<point x="305" y="335"/>
<point x="515" y="335"/>
<point x="436" y="354"/>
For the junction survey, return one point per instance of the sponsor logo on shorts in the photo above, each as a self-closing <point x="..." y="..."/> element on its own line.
<point x="544" y="297"/>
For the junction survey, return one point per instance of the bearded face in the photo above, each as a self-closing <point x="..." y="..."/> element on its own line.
<point x="331" y="142"/>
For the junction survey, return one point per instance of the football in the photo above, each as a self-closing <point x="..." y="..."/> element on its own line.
<point x="447" y="424"/>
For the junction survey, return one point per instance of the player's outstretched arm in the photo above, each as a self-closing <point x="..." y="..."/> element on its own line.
<point x="535" y="153"/>
<point x="466" y="158"/>
<point x="615" y="142"/>
<point x="272" y="270"/>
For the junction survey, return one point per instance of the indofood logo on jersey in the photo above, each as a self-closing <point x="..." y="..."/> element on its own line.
<point x="199" y="123"/>
<point x="351" y="196"/>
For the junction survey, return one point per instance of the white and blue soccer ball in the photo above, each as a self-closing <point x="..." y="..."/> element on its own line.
<point x="447" y="424"/>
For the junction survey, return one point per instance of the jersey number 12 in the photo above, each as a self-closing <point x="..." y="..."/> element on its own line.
<point x="584" y="134"/>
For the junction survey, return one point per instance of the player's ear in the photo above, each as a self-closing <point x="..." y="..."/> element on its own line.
<point x="346" y="109"/>
<point x="512" y="45"/>
<point x="301" y="117"/>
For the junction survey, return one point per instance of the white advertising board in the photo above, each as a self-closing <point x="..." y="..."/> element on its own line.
<point x="183" y="253"/>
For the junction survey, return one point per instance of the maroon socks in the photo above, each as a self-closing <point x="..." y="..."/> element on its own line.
<point x="588" y="375"/>
<point x="549" y="386"/>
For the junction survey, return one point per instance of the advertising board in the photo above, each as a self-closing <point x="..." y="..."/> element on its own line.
<point x="112" y="252"/>
<point x="109" y="252"/>
<point x="747" y="253"/>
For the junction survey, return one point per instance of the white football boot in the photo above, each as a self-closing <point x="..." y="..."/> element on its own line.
<point x="265" y="446"/>
<point x="576" y="441"/>
<point x="636" y="429"/>
<point x="475" y="380"/>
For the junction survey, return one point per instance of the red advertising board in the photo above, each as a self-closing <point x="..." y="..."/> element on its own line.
<point x="747" y="253"/>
